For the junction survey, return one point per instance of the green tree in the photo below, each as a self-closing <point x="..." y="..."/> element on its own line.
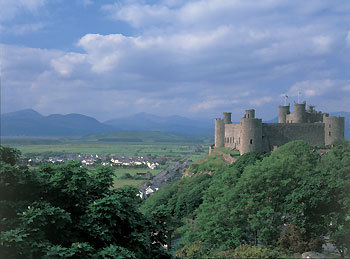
<point x="253" y="205"/>
<point x="69" y="211"/>
<point x="335" y="185"/>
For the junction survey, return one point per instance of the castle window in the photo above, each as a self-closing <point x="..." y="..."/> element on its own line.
<point x="251" y="141"/>
<point x="330" y="126"/>
<point x="330" y="134"/>
<point x="247" y="115"/>
<point x="239" y="140"/>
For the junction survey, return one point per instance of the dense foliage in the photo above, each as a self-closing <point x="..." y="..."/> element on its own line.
<point x="67" y="211"/>
<point x="285" y="202"/>
<point x="258" y="204"/>
<point x="288" y="199"/>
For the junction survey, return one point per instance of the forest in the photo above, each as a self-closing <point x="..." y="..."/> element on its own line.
<point x="278" y="204"/>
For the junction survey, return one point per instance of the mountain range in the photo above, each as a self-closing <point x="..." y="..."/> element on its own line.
<point x="26" y="123"/>
<point x="29" y="122"/>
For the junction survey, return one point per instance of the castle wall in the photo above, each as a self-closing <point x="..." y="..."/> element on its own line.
<point x="232" y="135"/>
<point x="277" y="134"/>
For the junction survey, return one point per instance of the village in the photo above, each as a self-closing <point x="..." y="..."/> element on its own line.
<point x="93" y="160"/>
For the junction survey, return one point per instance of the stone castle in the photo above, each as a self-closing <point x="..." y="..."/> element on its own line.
<point x="252" y="135"/>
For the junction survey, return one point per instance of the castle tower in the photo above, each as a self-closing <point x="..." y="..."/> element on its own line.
<point x="226" y="116"/>
<point x="299" y="112"/>
<point x="282" y="113"/>
<point x="250" y="133"/>
<point x="219" y="133"/>
<point x="334" y="128"/>
<point x="249" y="114"/>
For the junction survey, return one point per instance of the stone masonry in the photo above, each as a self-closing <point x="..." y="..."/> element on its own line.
<point x="252" y="135"/>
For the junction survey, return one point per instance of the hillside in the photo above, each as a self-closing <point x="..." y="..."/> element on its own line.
<point x="31" y="123"/>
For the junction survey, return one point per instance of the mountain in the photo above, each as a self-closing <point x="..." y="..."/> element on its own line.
<point x="171" y="124"/>
<point x="31" y="123"/>
<point x="346" y="115"/>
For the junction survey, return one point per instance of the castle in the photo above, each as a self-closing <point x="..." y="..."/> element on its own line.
<point x="252" y="135"/>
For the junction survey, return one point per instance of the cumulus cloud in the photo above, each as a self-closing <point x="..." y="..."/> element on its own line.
<point x="192" y="57"/>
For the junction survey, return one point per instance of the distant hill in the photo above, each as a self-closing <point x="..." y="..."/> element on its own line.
<point x="346" y="115"/>
<point x="172" y="124"/>
<point x="31" y="123"/>
<point x="28" y="122"/>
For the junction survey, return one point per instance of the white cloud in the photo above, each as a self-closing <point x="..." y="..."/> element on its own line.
<point x="261" y="101"/>
<point x="65" y="64"/>
<point x="10" y="8"/>
<point x="322" y="44"/>
<point x="311" y="88"/>
<point x="21" y="29"/>
<point x="190" y="57"/>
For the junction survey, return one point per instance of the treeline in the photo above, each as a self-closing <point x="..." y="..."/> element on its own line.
<point x="269" y="205"/>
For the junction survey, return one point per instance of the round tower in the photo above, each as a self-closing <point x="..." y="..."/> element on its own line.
<point x="299" y="113"/>
<point x="333" y="128"/>
<point x="282" y="113"/>
<point x="219" y="133"/>
<point x="226" y="116"/>
<point x="250" y="135"/>
<point x="249" y="114"/>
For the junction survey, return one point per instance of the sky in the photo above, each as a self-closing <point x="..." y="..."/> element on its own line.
<point x="109" y="59"/>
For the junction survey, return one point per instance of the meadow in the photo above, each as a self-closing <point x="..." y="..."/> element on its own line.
<point x="136" y="143"/>
<point x="172" y="147"/>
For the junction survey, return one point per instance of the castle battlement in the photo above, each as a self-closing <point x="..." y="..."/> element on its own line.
<point x="251" y="134"/>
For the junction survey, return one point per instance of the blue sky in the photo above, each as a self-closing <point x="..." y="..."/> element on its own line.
<point x="109" y="58"/>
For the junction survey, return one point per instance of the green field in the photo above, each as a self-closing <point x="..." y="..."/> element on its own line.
<point x="154" y="149"/>
<point x="132" y="171"/>
<point x="120" y="172"/>
<point x="150" y="144"/>
<point x="119" y="183"/>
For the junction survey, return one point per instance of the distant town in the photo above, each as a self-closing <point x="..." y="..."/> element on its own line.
<point x="92" y="160"/>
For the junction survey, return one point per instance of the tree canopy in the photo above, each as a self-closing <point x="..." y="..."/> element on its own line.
<point x="67" y="211"/>
<point x="262" y="201"/>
